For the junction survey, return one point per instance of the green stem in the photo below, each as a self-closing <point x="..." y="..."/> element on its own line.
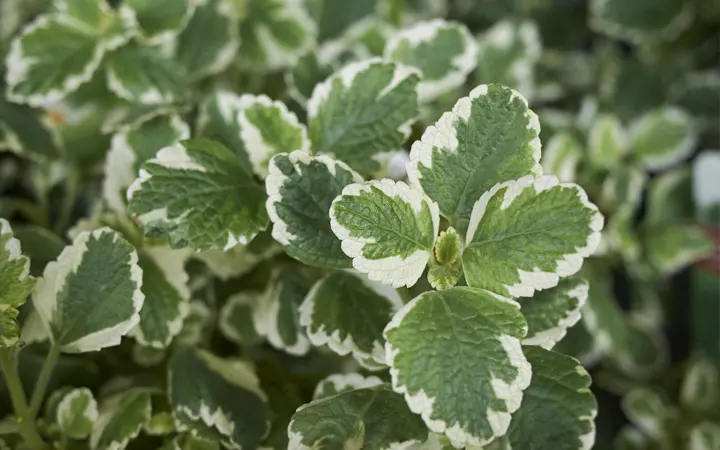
<point x="70" y="196"/>
<point x="25" y="421"/>
<point x="43" y="380"/>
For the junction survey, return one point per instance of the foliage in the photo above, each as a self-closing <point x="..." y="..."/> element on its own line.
<point x="378" y="224"/>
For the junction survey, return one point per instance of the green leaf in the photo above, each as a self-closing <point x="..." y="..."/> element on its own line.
<point x="561" y="156"/>
<point x="607" y="142"/>
<point x="9" y="329"/>
<point x="649" y="411"/>
<point x="90" y="296"/>
<point x="621" y="236"/>
<point x="507" y="54"/>
<point x="274" y="33"/>
<point x="343" y="382"/>
<point x="700" y="390"/>
<point x="61" y="50"/>
<point x="15" y="280"/>
<point x="160" y="424"/>
<point x="40" y="245"/>
<point x="131" y="147"/>
<point x="308" y="71"/>
<point x="209" y="42"/>
<point x="669" y="198"/>
<point x="144" y="75"/>
<point x="28" y="131"/>
<point x="446" y="266"/>
<point x="197" y="194"/>
<point x="300" y="190"/>
<point x="267" y="128"/>
<point x="636" y="350"/>
<point x="581" y="344"/>
<point x="672" y="247"/>
<point x="194" y="326"/>
<point x="461" y="340"/>
<point x="558" y="409"/>
<point x="630" y="438"/>
<point x="705" y="436"/>
<point x="277" y="315"/>
<point x="218" y="399"/>
<point x="161" y="21"/>
<point x="525" y="235"/>
<point x="696" y="93"/>
<point x="372" y="418"/>
<point x="236" y="318"/>
<point x="623" y="188"/>
<point x="348" y="314"/>
<point x="364" y="109"/>
<point x="253" y="126"/>
<point x="550" y="313"/>
<point x="445" y="52"/>
<point x="167" y="296"/>
<point x="239" y="260"/>
<point x="465" y="153"/>
<point x="121" y="419"/>
<point x="642" y="20"/>
<point x="387" y="228"/>
<point x="77" y="412"/>
<point x="662" y="138"/>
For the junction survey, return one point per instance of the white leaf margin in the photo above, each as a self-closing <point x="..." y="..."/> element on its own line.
<point x="257" y="149"/>
<point x="669" y="32"/>
<point x="12" y="246"/>
<point x="393" y="270"/>
<point x="571" y="263"/>
<point x="19" y="65"/>
<point x="119" y="173"/>
<point x="672" y="115"/>
<point x="64" y="408"/>
<point x="246" y="298"/>
<point x="422" y="404"/>
<point x="171" y="263"/>
<point x="276" y="56"/>
<point x="343" y="381"/>
<point x="175" y="157"/>
<point x="348" y="73"/>
<point x="276" y="180"/>
<point x="461" y="66"/>
<point x="53" y="281"/>
<point x="371" y="360"/>
<point x="265" y="318"/>
<point x="551" y="336"/>
<point x="443" y="135"/>
<point x="558" y="158"/>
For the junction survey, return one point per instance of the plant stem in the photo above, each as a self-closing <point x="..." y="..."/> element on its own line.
<point x="43" y="380"/>
<point x="25" y="421"/>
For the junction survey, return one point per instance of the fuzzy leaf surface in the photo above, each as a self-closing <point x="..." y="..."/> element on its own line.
<point x="489" y="137"/>
<point x="90" y="296"/>
<point x="445" y="52"/>
<point x="364" y="109"/>
<point x="525" y="235"/>
<point x="372" y="418"/>
<point x="197" y="194"/>
<point x="387" y="228"/>
<point x="218" y="399"/>
<point x="348" y="314"/>
<point x="300" y="190"/>
<point x="456" y="356"/>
